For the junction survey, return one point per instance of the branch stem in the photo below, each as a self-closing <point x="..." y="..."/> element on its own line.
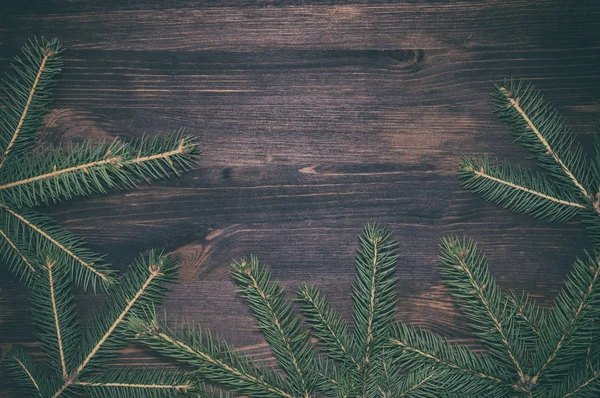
<point x="15" y="248"/>
<point x="64" y="249"/>
<point x="49" y="265"/>
<point x="524" y="189"/>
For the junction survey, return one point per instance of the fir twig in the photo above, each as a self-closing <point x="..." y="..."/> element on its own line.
<point x="26" y="95"/>
<point x="282" y="331"/>
<point x="518" y="189"/>
<point x="213" y="361"/>
<point x="24" y="372"/>
<point x="539" y="128"/>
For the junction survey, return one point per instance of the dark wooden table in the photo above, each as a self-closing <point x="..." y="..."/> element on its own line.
<point x="313" y="119"/>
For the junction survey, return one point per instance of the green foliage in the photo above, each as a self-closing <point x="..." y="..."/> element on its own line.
<point x="76" y="359"/>
<point x="530" y="352"/>
<point x="570" y="182"/>
<point x="26" y="95"/>
<point x="519" y="189"/>
<point x="215" y="361"/>
<point x="24" y="372"/>
<point x="539" y="128"/>
<point x="31" y="178"/>
<point x="51" y="260"/>
<point x="349" y="363"/>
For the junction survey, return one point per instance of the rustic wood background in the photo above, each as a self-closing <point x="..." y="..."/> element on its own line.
<point x="314" y="118"/>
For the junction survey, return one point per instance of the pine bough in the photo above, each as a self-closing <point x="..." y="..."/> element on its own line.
<point x="51" y="260"/>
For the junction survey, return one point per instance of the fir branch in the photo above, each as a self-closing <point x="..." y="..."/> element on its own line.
<point x="27" y="93"/>
<point x="144" y="284"/>
<point x="41" y="235"/>
<point x="525" y="311"/>
<point x="274" y="316"/>
<point x="18" y="262"/>
<point x="335" y="382"/>
<point x="24" y="372"/>
<point x="373" y="293"/>
<point x="212" y="360"/>
<point x="87" y="169"/>
<point x="572" y="317"/>
<point x="331" y="331"/>
<point x="539" y="128"/>
<point x="518" y="189"/>
<point x="54" y="314"/>
<point x="414" y="346"/>
<point x="465" y="270"/>
<point x="587" y="388"/>
<point x="412" y="384"/>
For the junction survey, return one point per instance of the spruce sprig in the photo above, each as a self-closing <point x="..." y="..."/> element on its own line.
<point x="570" y="183"/>
<point x="77" y="358"/>
<point x="29" y="179"/>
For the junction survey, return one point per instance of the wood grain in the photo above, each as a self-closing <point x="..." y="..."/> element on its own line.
<point x="314" y="119"/>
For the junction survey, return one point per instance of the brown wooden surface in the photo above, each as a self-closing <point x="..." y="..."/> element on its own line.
<point x="313" y="119"/>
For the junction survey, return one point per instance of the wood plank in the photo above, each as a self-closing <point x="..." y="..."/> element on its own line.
<point x="313" y="120"/>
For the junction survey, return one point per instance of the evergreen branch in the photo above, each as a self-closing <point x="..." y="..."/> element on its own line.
<point x="388" y="379"/>
<point x="466" y="272"/>
<point x="588" y="386"/>
<point x="214" y="361"/>
<point x="85" y="169"/>
<point x="373" y="293"/>
<point x="43" y="236"/>
<point x="413" y="382"/>
<point x="526" y="311"/>
<point x="417" y="347"/>
<point x="329" y="328"/>
<point x="107" y="332"/>
<point x="27" y="95"/>
<point x="290" y="346"/>
<point x="573" y="315"/>
<point x="539" y="128"/>
<point x="54" y="314"/>
<point x="135" y="383"/>
<point x="518" y="189"/>
<point x="595" y="166"/>
<point x="18" y="262"/>
<point x="24" y="372"/>
<point x="334" y="382"/>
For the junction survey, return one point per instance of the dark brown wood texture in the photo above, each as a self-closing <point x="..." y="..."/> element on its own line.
<point x="313" y="119"/>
